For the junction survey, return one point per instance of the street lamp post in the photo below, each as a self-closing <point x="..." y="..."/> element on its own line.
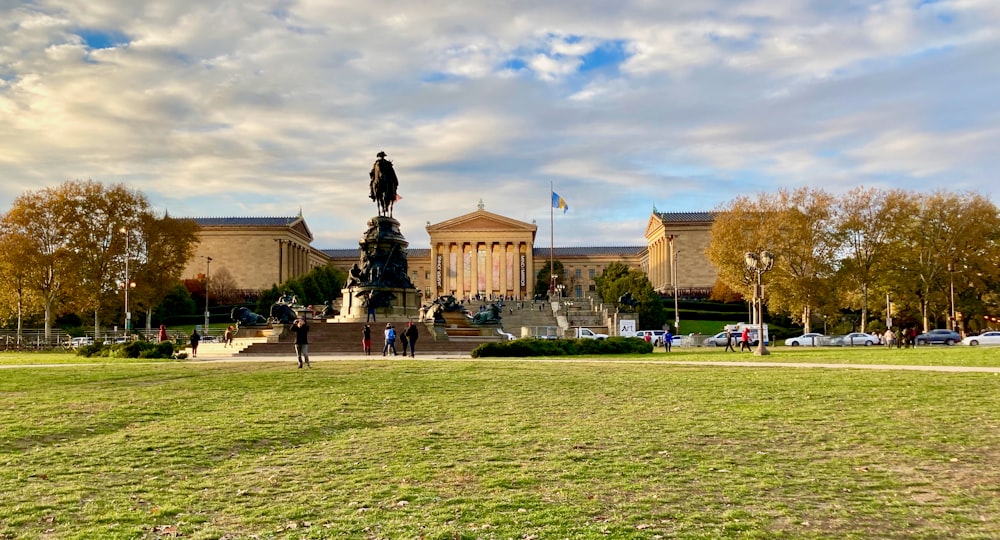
<point x="759" y="264"/>
<point x="677" y="313"/>
<point x="125" y="284"/>
<point x="208" y="272"/>
<point x="951" y="279"/>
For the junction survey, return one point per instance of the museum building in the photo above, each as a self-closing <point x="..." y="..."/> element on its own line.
<point x="479" y="253"/>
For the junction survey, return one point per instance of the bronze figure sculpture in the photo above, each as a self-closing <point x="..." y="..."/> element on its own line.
<point x="383" y="185"/>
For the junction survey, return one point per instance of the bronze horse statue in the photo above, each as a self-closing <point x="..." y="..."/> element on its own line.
<point x="383" y="185"/>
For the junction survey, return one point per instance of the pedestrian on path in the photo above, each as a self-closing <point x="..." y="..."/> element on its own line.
<point x="301" y="330"/>
<point x="195" y="339"/>
<point x="227" y="338"/>
<point x="390" y="340"/>
<point x="403" y="341"/>
<point x="366" y="340"/>
<point x="411" y="335"/>
<point x="668" y="340"/>
<point x="745" y="339"/>
<point x="729" y="341"/>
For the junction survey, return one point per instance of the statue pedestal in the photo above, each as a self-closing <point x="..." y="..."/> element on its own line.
<point x="405" y="307"/>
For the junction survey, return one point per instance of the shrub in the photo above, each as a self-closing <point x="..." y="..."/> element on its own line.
<point x="132" y="349"/>
<point x="562" y="347"/>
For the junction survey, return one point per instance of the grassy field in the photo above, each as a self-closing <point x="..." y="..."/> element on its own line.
<point x="499" y="449"/>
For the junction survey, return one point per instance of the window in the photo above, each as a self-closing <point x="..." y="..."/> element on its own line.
<point x="578" y="273"/>
<point x="578" y="291"/>
<point x="591" y="273"/>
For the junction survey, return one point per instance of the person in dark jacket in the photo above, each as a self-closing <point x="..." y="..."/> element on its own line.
<point x="366" y="340"/>
<point x="195" y="339"/>
<point x="301" y="330"/>
<point x="411" y="336"/>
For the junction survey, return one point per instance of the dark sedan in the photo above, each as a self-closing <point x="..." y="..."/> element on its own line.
<point x="939" y="336"/>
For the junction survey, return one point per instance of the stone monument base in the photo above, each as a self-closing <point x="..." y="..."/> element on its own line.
<point x="406" y="306"/>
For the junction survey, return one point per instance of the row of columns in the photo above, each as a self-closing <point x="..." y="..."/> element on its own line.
<point x="661" y="262"/>
<point x="293" y="260"/>
<point x="487" y="268"/>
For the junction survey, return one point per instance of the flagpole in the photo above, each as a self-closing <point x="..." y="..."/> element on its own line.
<point x="552" y="236"/>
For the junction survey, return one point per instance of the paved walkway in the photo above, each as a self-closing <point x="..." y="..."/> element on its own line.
<point x="225" y="356"/>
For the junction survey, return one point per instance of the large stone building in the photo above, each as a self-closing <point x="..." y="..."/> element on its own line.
<point x="479" y="253"/>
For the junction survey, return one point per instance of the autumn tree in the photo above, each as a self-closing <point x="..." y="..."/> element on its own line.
<point x="74" y="237"/>
<point x="164" y="245"/>
<point x="543" y="279"/>
<point x="949" y="233"/>
<point x="869" y="223"/>
<point x="17" y="296"/>
<point x="796" y="227"/>
<point x="36" y="220"/>
<point x="618" y="279"/>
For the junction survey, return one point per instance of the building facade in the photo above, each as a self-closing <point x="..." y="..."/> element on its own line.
<point x="256" y="252"/>
<point x="476" y="254"/>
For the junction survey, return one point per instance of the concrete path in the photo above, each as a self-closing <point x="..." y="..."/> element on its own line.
<point x="225" y="355"/>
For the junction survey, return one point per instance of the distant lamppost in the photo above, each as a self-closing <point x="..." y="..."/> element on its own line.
<point x="126" y="284"/>
<point x="759" y="264"/>
<point x="677" y="313"/>
<point x="559" y="290"/>
<point x="208" y="272"/>
<point x="951" y="279"/>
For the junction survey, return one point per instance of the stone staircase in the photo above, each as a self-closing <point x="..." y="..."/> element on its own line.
<point x="345" y="338"/>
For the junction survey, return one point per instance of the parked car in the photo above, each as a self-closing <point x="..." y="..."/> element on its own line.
<point x="857" y="338"/>
<point x="719" y="340"/>
<point x="77" y="342"/>
<point x="806" y="340"/>
<point x="655" y="336"/>
<point x="939" y="336"/>
<point x="986" y="338"/>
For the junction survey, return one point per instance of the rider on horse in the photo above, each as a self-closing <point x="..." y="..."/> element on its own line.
<point x="383" y="185"/>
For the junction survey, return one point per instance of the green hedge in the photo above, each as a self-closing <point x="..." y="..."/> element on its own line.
<point x="132" y="349"/>
<point x="562" y="347"/>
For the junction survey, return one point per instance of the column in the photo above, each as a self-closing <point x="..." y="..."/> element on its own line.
<point x="461" y="271"/>
<point x="489" y="268"/>
<point x="503" y="267"/>
<point x="435" y="292"/>
<point x="474" y="286"/>
<point x="529" y="271"/>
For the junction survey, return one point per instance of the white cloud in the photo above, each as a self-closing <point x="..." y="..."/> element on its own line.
<point x="258" y="108"/>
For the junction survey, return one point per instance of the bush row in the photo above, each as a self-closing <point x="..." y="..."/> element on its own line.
<point x="133" y="349"/>
<point x="562" y="347"/>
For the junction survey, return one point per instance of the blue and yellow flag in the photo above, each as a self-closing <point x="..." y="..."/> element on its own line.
<point x="558" y="202"/>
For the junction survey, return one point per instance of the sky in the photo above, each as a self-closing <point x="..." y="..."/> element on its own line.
<point x="268" y="108"/>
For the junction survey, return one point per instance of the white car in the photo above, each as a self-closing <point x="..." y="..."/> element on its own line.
<point x="655" y="336"/>
<point x="858" y="338"/>
<point x="806" y="340"/>
<point x="986" y="338"/>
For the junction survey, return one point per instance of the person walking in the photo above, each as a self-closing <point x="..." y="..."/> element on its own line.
<point x="729" y="341"/>
<point x="227" y="338"/>
<point x="668" y="339"/>
<point x="301" y="330"/>
<point x="745" y="339"/>
<point x="163" y="333"/>
<point x="889" y="338"/>
<point x="390" y="340"/>
<point x="195" y="339"/>
<point x="366" y="340"/>
<point x="411" y="335"/>
<point x="403" y="341"/>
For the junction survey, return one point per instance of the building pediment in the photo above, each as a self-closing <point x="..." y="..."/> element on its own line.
<point x="655" y="227"/>
<point x="481" y="220"/>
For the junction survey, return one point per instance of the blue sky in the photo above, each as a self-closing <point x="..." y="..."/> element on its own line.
<point x="263" y="108"/>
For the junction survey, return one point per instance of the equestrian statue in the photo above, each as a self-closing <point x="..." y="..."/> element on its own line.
<point x="383" y="185"/>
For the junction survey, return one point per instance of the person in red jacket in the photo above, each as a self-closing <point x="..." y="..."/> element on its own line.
<point x="745" y="339"/>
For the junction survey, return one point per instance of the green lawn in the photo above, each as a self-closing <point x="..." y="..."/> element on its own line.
<point x="498" y="449"/>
